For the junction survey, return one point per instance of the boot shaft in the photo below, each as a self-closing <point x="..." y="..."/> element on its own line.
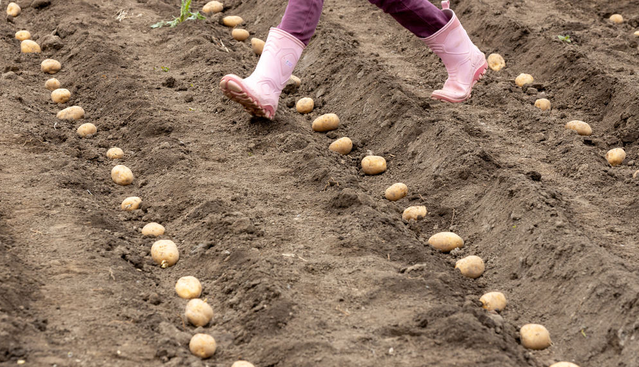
<point x="275" y="66"/>
<point x="464" y="62"/>
<point x="260" y="92"/>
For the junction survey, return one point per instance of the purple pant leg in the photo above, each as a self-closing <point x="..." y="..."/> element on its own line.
<point x="301" y="18"/>
<point x="418" y="16"/>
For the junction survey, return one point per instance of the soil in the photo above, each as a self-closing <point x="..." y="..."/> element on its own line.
<point x="302" y="259"/>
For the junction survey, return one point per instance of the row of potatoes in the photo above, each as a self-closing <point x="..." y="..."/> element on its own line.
<point x="164" y="252"/>
<point x="615" y="156"/>
<point x="58" y="95"/>
<point x="533" y="336"/>
<point x="233" y="21"/>
<point x="50" y="66"/>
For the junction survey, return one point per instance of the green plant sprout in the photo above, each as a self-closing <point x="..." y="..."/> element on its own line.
<point x="185" y="14"/>
<point x="565" y="38"/>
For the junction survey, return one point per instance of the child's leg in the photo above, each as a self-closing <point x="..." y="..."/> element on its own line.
<point x="444" y="34"/>
<point x="301" y="18"/>
<point x="260" y="92"/>
<point x="418" y="16"/>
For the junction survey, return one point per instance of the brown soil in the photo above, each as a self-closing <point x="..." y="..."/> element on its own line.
<point x="303" y="260"/>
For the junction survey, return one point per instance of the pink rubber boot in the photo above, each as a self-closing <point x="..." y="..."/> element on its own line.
<point x="465" y="64"/>
<point x="260" y="92"/>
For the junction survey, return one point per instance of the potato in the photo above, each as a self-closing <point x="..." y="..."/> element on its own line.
<point x="122" y="175"/>
<point x="212" y="7"/>
<point x="86" y="130"/>
<point x="165" y="253"/>
<point x="326" y="122"/>
<point x="496" y="62"/>
<point x="61" y="95"/>
<point x="471" y="266"/>
<point x="240" y="34"/>
<point x="242" y="364"/>
<point x="23" y="35"/>
<point x="396" y="191"/>
<point x="534" y="336"/>
<point x="115" y="153"/>
<point x="305" y="105"/>
<point x="257" y="45"/>
<point x="634" y="175"/>
<point x="524" y="79"/>
<point x="198" y="312"/>
<point x="342" y="145"/>
<point x="616" y="18"/>
<point x="52" y="84"/>
<point x="131" y="204"/>
<point x="563" y="364"/>
<point x="414" y="213"/>
<point x="188" y="287"/>
<point x="29" y="47"/>
<point x="636" y="34"/>
<point x="493" y="301"/>
<point x="202" y="345"/>
<point x="374" y="165"/>
<point x="232" y="21"/>
<point x="71" y="113"/>
<point x="615" y="156"/>
<point x="50" y="66"/>
<point x="153" y="230"/>
<point x="445" y="241"/>
<point x="297" y="81"/>
<point x="13" y="9"/>
<point x="543" y="104"/>
<point x="580" y="127"/>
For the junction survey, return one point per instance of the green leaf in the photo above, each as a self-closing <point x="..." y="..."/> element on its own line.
<point x="185" y="14"/>
<point x="186" y="6"/>
<point x="565" y="38"/>
<point x="185" y="10"/>
<point x="195" y="16"/>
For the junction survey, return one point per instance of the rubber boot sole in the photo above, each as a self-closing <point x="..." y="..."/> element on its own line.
<point x="233" y="87"/>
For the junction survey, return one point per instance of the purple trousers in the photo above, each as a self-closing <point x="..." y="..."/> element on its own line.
<point x="418" y="16"/>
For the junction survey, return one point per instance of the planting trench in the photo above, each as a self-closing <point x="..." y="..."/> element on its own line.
<point x="303" y="261"/>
